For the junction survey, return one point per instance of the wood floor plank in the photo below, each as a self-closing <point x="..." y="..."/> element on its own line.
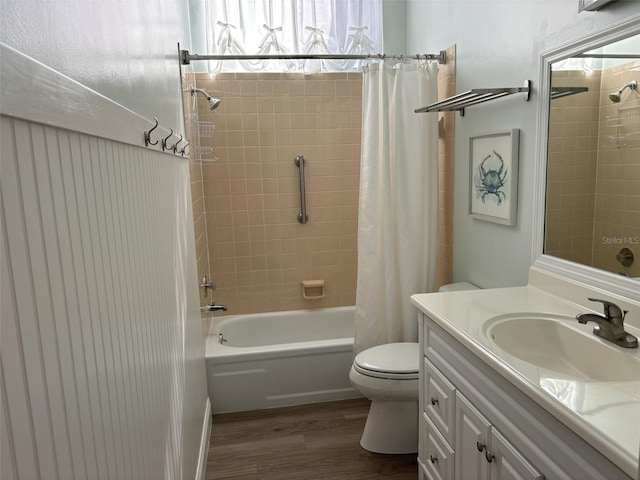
<point x="308" y="442"/>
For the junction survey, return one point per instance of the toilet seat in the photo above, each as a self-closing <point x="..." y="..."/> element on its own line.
<point x="394" y="361"/>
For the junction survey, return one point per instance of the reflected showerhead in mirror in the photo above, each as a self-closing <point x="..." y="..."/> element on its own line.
<point x="213" y="102"/>
<point x="617" y="96"/>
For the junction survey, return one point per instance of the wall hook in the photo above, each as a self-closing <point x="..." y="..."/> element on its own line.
<point x="147" y="135"/>
<point x="174" y="147"/>
<point x="164" y="140"/>
<point x="183" y="152"/>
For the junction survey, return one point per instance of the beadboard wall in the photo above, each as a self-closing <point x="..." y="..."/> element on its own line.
<point x="102" y="359"/>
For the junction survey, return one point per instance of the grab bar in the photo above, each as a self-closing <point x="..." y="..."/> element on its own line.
<point x="302" y="216"/>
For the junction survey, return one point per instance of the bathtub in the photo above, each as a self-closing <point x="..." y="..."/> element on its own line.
<point x="277" y="359"/>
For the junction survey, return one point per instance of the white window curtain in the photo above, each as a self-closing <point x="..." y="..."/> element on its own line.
<point x="245" y="27"/>
<point x="398" y="206"/>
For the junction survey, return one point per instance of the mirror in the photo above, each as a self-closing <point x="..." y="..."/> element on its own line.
<point x="588" y="196"/>
<point x="593" y="172"/>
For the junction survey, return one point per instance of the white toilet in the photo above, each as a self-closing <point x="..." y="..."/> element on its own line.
<point x="388" y="376"/>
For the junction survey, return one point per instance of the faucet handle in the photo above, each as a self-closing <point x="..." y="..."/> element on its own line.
<point x="611" y="310"/>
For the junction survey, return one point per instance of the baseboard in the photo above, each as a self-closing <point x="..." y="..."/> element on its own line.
<point x="204" y="442"/>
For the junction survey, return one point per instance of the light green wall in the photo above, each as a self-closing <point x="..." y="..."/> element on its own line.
<point x="499" y="45"/>
<point x="394" y="29"/>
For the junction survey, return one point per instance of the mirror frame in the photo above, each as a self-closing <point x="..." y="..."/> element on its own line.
<point x="590" y="276"/>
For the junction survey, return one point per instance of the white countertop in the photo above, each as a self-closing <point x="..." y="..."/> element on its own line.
<point x="605" y="414"/>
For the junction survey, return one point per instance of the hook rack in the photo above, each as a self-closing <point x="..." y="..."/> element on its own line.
<point x="164" y="141"/>
<point x="473" y="97"/>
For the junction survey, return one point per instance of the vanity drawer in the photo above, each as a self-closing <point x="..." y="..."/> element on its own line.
<point x="439" y="400"/>
<point x="436" y="455"/>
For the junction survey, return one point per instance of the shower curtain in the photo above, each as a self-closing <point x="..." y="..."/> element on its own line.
<point x="398" y="205"/>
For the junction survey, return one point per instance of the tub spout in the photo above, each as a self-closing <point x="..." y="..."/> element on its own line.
<point x="212" y="307"/>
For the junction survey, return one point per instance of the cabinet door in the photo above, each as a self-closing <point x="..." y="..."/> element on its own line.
<point x="471" y="442"/>
<point x="507" y="463"/>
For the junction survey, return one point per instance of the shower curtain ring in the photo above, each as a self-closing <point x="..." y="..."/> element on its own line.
<point x="164" y="140"/>
<point x="174" y="147"/>
<point x="147" y="135"/>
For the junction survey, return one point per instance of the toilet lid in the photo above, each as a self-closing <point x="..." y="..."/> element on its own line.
<point x="392" y="360"/>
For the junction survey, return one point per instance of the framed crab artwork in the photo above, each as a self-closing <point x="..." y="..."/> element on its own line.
<point x="493" y="175"/>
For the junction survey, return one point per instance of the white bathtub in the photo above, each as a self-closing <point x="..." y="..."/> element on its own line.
<point x="282" y="358"/>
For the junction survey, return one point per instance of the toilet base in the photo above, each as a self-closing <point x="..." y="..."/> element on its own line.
<point x="392" y="427"/>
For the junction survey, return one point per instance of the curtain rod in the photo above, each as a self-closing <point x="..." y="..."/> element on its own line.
<point x="186" y="58"/>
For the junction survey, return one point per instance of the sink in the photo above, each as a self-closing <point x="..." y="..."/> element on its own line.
<point x="553" y="343"/>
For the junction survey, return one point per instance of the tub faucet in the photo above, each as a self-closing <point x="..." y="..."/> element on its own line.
<point x="609" y="326"/>
<point x="212" y="307"/>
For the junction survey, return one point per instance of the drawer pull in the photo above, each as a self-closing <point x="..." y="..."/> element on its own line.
<point x="434" y="401"/>
<point x="479" y="446"/>
<point x="488" y="456"/>
<point x="433" y="459"/>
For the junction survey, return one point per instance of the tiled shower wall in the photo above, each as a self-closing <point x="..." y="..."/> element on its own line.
<point x="593" y="198"/>
<point x="446" y="88"/>
<point x="617" y="211"/>
<point x="197" y="190"/>
<point x="573" y="156"/>
<point x="258" y="253"/>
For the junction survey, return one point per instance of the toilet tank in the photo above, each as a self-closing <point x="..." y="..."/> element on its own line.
<point x="458" y="287"/>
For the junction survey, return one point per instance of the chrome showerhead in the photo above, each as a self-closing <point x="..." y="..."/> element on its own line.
<point x="617" y="96"/>
<point x="213" y="102"/>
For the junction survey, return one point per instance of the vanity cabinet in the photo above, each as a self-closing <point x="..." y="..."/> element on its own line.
<point x="459" y="442"/>
<point x="475" y="425"/>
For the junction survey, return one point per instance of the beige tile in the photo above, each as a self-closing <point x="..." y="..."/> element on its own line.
<point x="264" y="125"/>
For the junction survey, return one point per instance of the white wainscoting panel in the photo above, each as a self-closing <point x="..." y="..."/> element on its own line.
<point x="100" y="326"/>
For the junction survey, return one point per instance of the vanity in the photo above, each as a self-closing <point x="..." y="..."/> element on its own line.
<point x="498" y="401"/>
<point x="512" y="386"/>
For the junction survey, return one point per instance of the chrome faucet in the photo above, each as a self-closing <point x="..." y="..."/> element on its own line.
<point x="212" y="307"/>
<point x="610" y="326"/>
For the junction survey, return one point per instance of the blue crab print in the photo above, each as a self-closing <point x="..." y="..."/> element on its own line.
<point x="490" y="182"/>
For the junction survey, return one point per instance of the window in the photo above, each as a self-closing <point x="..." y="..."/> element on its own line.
<point x="269" y="27"/>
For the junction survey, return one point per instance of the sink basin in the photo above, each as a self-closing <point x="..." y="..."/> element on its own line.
<point x="552" y="343"/>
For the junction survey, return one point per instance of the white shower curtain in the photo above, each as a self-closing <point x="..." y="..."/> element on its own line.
<point x="398" y="207"/>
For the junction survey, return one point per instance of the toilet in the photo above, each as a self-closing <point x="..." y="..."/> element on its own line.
<point x="388" y="375"/>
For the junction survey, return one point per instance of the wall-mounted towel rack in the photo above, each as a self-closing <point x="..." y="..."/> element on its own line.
<point x="559" y="92"/>
<point x="473" y="97"/>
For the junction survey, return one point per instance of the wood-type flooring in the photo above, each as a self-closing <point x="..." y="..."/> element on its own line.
<point x="309" y="442"/>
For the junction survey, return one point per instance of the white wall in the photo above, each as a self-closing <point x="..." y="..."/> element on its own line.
<point x="498" y="45"/>
<point x="125" y="50"/>
<point x="102" y="358"/>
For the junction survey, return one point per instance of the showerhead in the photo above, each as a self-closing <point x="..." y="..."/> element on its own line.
<point x="617" y="96"/>
<point x="213" y="102"/>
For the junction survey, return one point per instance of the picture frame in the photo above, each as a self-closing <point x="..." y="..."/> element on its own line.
<point x="493" y="177"/>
